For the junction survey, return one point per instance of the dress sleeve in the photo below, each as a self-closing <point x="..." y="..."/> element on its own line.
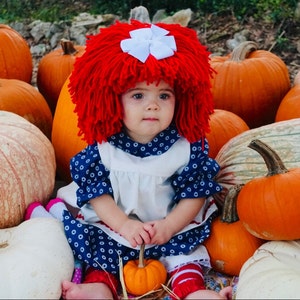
<point x="91" y="176"/>
<point x="197" y="179"/>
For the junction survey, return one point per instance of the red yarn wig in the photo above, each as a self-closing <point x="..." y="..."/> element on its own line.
<point x="104" y="72"/>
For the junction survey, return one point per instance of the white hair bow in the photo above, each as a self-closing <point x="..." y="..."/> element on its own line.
<point x="146" y="41"/>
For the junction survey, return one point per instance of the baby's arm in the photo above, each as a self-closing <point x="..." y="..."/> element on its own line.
<point x="176" y="220"/>
<point x="134" y="231"/>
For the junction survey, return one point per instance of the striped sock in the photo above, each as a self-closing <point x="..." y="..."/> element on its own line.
<point x="187" y="279"/>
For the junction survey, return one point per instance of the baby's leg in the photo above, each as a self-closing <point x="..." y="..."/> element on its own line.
<point x="188" y="283"/>
<point x="225" y="294"/>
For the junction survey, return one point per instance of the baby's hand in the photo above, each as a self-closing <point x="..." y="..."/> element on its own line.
<point x="136" y="232"/>
<point x="162" y="232"/>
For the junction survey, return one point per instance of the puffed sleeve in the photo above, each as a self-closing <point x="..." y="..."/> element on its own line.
<point x="88" y="171"/>
<point x="197" y="179"/>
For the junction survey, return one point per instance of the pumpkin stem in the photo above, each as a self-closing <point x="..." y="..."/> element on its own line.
<point x="243" y="50"/>
<point x="141" y="257"/>
<point x="67" y="47"/>
<point x="4" y="245"/>
<point x="229" y="212"/>
<point x="271" y="158"/>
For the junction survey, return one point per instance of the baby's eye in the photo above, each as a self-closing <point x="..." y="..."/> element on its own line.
<point x="164" y="96"/>
<point x="137" y="96"/>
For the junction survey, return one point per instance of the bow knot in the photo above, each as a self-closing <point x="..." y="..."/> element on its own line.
<point x="146" y="41"/>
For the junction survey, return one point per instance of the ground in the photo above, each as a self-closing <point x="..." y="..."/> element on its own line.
<point x="281" y="39"/>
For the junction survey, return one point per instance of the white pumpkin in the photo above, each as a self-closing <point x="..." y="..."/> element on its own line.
<point x="273" y="272"/>
<point x="34" y="257"/>
<point x="240" y="164"/>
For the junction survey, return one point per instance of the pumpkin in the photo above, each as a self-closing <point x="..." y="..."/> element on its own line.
<point x="54" y="69"/>
<point x="273" y="272"/>
<point x="250" y="83"/>
<point x="23" y="99"/>
<point x="289" y="107"/>
<point x="15" y="58"/>
<point x="27" y="167"/>
<point x="224" y="125"/>
<point x="65" y="139"/>
<point x="268" y="206"/>
<point x="239" y="164"/>
<point x="230" y="244"/>
<point x="143" y="275"/>
<point x="35" y="257"/>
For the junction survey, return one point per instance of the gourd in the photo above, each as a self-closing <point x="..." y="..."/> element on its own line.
<point x="54" y="69"/>
<point x="143" y="275"/>
<point x="25" y="100"/>
<point x="224" y="125"/>
<point x="15" y="58"/>
<point x="268" y="206"/>
<point x="273" y="272"/>
<point x="27" y="167"/>
<point x="230" y="244"/>
<point x="239" y="164"/>
<point x="35" y="257"/>
<point x="250" y="83"/>
<point x="289" y="107"/>
<point x="65" y="139"/>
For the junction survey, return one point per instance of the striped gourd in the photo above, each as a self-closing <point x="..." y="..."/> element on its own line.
<point x="239" y="163"/>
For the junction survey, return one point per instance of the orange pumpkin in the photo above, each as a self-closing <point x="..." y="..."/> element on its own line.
<point x="230" y="244"/>
<point x="65" y="139"/>
<point x="15" y="58"/>
<point x="269" y="206"/>
<point x="23" y="99"/>
<point x="54" y="69"/>
<point x="224" y="125"/>
<point x="143" y="275"/>
<point x="250" y="83"/>
<point x="289" y="107"/>
<point x="27" y="164"/>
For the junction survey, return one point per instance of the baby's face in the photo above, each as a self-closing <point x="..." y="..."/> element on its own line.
<point x="148" y="110"/>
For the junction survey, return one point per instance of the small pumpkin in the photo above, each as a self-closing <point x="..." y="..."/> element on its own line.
<point x="35" y="257"/>
<point x="289" y="107"/>
<point x="230" y="244"/>
<point x="268" y="206"/>
<point x="27" y="167"/>
<point x="273" y="272"/>
<point x="250" y="83"/>
<point x="239" y="164"/>
<point x="15" y="58"/>
<point x="25" y="100"/>
<point x="54" y="69"/>
<point x="143" y="275"/>
<point x="65" y="139"/>
<point x="224" y="125"/>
